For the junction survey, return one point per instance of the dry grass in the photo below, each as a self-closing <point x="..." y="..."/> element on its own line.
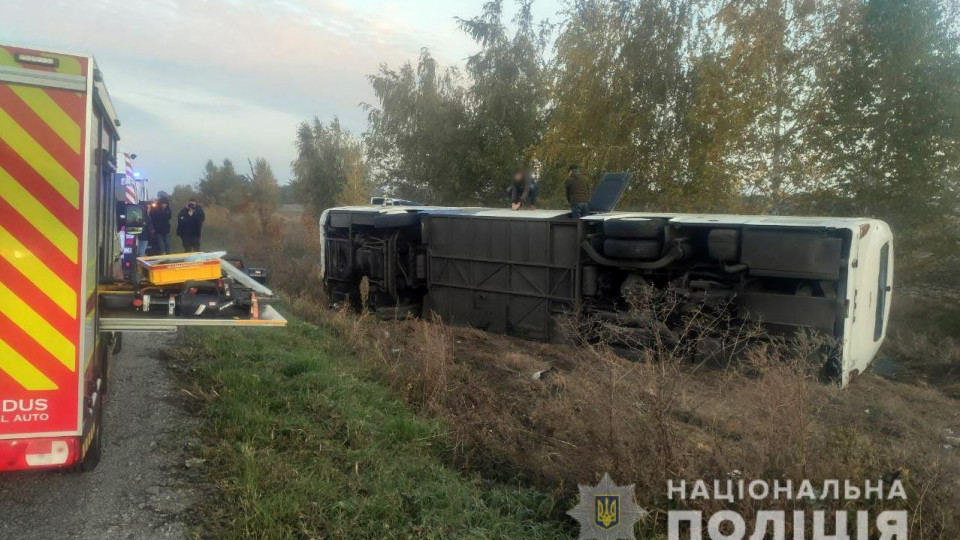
<point x="765" y="416"/>
<point x="922" y="344"/>
<point x="651" y="422"/>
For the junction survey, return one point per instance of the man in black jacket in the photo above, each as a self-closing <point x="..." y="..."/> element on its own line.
<point x="160" y="217"/>
<point x="189" y="222"/>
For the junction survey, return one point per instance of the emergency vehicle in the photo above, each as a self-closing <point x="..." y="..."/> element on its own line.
<point x="58" y="245"/>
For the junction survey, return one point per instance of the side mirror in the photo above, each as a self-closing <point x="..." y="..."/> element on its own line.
<point x="132" y="218"/>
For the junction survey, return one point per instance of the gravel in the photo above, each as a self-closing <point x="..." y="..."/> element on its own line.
<point x="141" y="488"/>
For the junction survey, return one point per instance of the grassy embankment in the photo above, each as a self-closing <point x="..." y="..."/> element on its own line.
<point x="301" y="443"/>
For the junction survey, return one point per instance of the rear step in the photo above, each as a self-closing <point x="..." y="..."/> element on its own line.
<point x="138" y="321"/>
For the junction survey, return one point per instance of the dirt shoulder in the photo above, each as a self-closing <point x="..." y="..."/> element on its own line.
<point x="138" y="490"/>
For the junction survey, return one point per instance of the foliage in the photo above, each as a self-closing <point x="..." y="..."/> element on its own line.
<point x="436" y="138"/>
<point x="507" y="96"/>
<point x="419" y="138"/>
<point x="181" y="194"/>
<point x="889" y="121"/>
<point x="622" y="95"/>
<point x="288" y="195"/>
<point x="329" y="168"/>
<point x="768" y="49"/>
<point x="224" y="186"/>
<point x="264" y="192"/>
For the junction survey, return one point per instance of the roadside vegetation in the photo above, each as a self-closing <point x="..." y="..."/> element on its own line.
<point x="301" y="442"/>
<point x="923" y="344"/>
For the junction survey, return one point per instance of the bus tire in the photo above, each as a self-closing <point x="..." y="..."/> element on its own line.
<point x="631" y="249"/>
<point x="635" y="228"/>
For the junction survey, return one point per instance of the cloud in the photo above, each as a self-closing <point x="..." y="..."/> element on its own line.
<point x="199" y="79"/>
<point x="175" y="136"/>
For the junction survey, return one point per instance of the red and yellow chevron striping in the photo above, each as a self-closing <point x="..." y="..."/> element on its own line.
<point x="42" y="145"/>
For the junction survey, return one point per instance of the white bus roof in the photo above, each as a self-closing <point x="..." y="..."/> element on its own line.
<point x="693" y="219"/>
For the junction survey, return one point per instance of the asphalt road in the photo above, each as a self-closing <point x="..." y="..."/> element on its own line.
<point x="140" y="489"/>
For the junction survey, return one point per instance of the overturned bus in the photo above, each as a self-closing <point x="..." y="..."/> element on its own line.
<point x="519" y="272"/>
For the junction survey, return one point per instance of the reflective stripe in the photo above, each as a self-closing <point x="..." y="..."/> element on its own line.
<point x="37" y="327"/>
<point x="30" y="208"/>
<point x="47" y="109"/>
<point x="22" y="371"/>
<point x="37" y="272"/>
<point x="39" y="159"/>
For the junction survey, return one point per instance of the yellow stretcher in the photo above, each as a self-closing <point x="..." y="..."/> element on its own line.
<point x="182" y="267"/>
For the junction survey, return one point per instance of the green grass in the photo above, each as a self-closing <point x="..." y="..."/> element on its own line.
<point x="300" y="442"/>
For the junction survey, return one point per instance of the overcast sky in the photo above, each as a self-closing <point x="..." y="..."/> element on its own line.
<point x="199" y="79"/>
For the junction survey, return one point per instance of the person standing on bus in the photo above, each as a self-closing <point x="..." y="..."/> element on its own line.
<point x="578" y="193"/>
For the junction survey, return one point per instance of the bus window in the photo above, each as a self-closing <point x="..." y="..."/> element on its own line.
<point x="882" y="291"/>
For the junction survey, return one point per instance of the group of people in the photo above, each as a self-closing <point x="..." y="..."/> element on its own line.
<point x="523" y="195"/>
<point x="523" y="192"/>
<point x="156" y="229"/>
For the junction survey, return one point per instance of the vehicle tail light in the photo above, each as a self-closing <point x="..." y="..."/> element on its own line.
<point x="20" y="454"/>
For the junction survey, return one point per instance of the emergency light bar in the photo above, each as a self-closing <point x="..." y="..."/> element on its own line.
<point x="37" y="60"/>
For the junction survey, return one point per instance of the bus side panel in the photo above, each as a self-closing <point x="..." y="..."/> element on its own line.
<point x="42" y="166"/>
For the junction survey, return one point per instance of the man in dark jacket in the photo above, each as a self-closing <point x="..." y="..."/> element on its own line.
<point x="578" y="193"/>
<point x="523" y="191"/>
<point x="189" y="222"/>
<point x="160" y="217"/>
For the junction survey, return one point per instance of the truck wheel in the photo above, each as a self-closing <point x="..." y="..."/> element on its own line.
<point x="95" y="450"/>
<point x="631" y="249"/>
<point x="638" y="228"/>
<point x="105" y="364"/>
<point x="117" y="342"/>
